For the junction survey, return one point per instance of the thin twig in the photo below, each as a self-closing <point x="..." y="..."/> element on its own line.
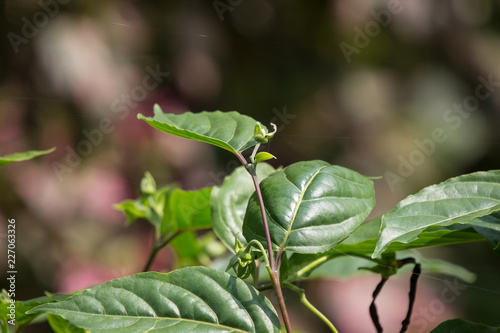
<point x="413" y="290"/>
<point x="157" y="248"/>
<point x="373" y="307"/>
<point x="311" y="307"/>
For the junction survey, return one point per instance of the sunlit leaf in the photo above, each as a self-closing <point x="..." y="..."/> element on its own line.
<point x="457" y="200"/>
<point x="263" y="156"/>
<point x="193" y="299"/>
<point x="27" y="155"/>
<point x="228" y="130"/>
<point x="311" y="207"/>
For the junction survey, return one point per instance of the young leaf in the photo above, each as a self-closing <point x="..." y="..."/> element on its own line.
<point x="134" y="210"/>
<point x="193" y="299"/>
<point x="263" y="156"/>
<point x="457" y="200"/>
<point x="170" y="209"/>
<point x="464" y="326"/>
<point x="148" y="184"/>
<point x="311" y="207"/>
<point x="229" y="203"/>
<point x="27" y="155"/>
<point x="227" y="130"/>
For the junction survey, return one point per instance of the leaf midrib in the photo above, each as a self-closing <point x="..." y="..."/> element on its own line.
<point x="178" y="127"/>
<point x="225" y="143"/>
<point x="156" y="319"/>
<point x="296" y="209"/>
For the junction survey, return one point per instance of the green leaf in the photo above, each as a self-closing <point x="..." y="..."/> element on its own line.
<point x="464" y="326"/>
<point x="229" y="203"/>
<point x="170" y="209"/>
<point x="263" y="156"/>
<point x="193" y="299"/>
<point x="187" y="210"/>
<point x="362" y="242"/>
<point x="457" y="200"/>
<point x="311" y="207"/>
<point x="187" y="249"/>
<point x="60" y="325"/>
<point x="27" y="155"/>
<point x="345" y="267"/>
<point x="489" y="227"/>
<point x="134" y="210"/>
<point x="228" y="130"/>
<point x="148" y="184"/>
<point x="21" y="307"/>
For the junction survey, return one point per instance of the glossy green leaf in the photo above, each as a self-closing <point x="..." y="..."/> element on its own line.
<point x="229" y="203"/>
<point x="263" y="156"/>
<point x="363" y="241"/>
<point x="457" y="200"/>
<point x="464" y="326"/>
<point x="59" y="325"/>
<point x="311" y="207"/>
<point x="193" y="299"/>
<point x="27" y="155"/>
<point x="228" y="130"/>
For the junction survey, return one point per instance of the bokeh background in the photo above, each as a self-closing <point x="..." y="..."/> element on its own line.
<point x="387" y="88"/>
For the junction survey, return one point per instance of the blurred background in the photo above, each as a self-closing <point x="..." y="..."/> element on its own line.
<point x="407" y="90"/>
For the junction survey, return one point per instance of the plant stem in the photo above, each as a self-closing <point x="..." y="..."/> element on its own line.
<point x="271" y="267"/>
<point x="311" y="307"/>
<point x="264" y="221"/>
<point x="281" y="300"/>
<point x="413" y="289"/>
<point x="373" y="306"/>
<point x="157" y="247"/>
<point x="253" y="173"/>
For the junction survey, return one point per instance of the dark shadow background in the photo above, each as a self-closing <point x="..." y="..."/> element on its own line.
<point x="387" y="88"/>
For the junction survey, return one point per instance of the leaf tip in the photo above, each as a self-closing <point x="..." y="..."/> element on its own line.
<point x="157" y="109"/>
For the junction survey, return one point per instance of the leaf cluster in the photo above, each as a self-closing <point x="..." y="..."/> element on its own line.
<point x="299" y="221"/>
